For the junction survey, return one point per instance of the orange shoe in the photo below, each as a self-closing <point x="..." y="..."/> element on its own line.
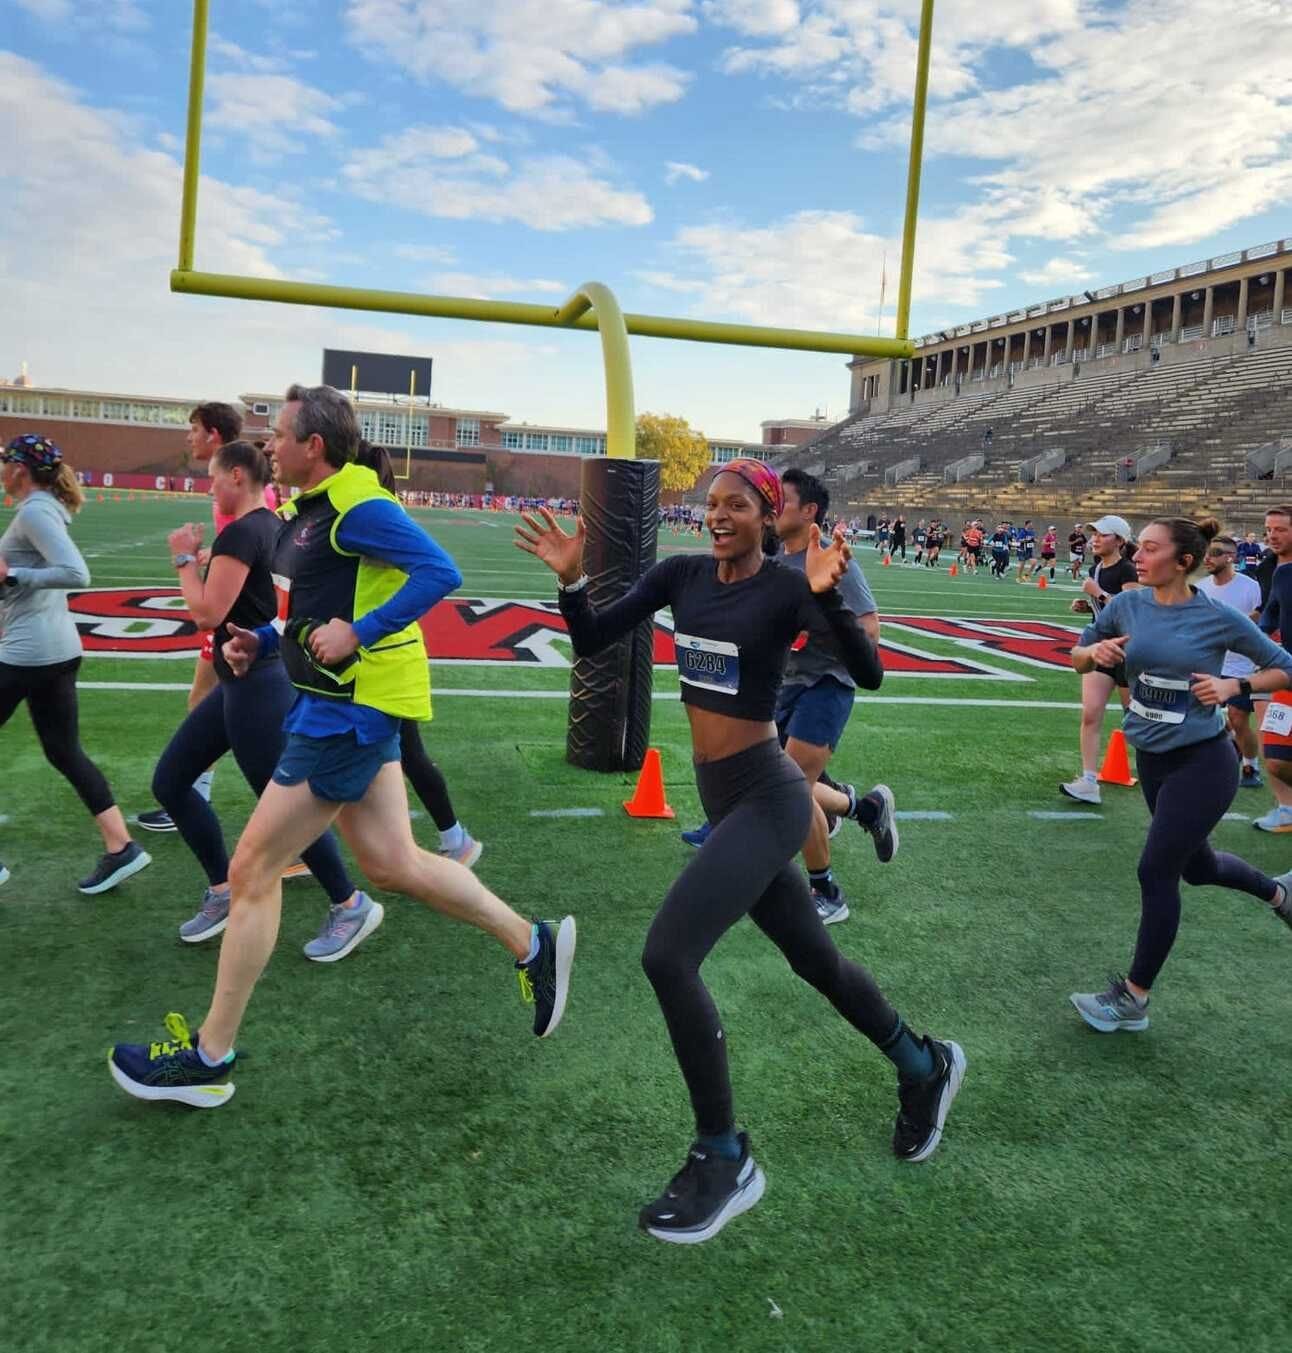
<point x="299" y="870"/>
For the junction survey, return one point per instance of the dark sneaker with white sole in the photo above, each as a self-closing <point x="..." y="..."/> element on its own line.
<point x="171" y="1069"/>
<point x="1283" y="911"/>
<point x="1113" y="1009"/>
<point x="831" y="910"/>
<point x="115" y="868"/>
<point x="924" y="1104"/>
<point x="703" y="1196"/>
<point x="545" y="979"/>
<point x="158" y="820"/>
<point x="883" y="825"/>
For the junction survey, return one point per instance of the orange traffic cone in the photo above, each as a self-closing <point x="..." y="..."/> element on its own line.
<point x="648" y="798"/>
<point x="888" y="559"/>
<point x="100" y="498"/>
<point x="1116" y="767"/>
<point x="1042" y="582"/>
<point x="953" y="570"/>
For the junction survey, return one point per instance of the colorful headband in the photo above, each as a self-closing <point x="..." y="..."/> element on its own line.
<point x="762" y="479"/>
<point x="34" y="451"/>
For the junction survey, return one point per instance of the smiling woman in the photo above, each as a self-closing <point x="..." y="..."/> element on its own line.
<point x="736" y="612"/>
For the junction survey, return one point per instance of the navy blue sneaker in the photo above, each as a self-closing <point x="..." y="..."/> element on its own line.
<point x="698" y="836"/>
<point x="171" y="1069"/>
<point x="545" y="979"/>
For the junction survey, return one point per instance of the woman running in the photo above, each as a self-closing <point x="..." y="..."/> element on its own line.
<point x="1172" y="640"/>
<point x="40" y="650"/>
<point x="1111" y="574"/>
<point x="243" y="714"/>
<point x="1049" y="548"/>
<point x="736" y="612"/>
<point x="427" y="779"/>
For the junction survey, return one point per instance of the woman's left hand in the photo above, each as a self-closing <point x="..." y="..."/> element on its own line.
<point x="1213" y="690"/>
<point x="825" y="565"/>
<point x="186" y="539"/>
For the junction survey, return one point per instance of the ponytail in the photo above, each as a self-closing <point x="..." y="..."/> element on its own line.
<point x="63" y="484"/>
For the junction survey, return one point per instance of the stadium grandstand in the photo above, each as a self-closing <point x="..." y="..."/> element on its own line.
<point x="1171" y="392"/>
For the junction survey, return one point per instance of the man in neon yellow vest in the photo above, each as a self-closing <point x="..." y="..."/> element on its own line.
<point x="353" y="574"/>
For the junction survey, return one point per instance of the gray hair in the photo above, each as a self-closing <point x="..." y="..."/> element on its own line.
<point x="330" y="414"/>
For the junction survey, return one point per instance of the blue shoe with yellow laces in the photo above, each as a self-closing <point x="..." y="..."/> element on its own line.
<point x="171" y="1069"/>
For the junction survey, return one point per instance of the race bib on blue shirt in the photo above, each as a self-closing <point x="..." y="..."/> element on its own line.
<point x="710" y="664"/>
<point x="1160" y="699"/>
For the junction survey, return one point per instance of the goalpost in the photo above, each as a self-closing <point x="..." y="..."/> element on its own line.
<point x="609" y="690"/>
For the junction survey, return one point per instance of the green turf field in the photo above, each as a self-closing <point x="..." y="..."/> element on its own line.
<point x="405" y="1167"/>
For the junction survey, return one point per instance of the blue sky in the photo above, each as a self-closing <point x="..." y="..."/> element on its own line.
<point x="731" y="159"/>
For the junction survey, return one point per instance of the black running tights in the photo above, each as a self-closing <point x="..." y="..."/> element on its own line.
<point x="243" y="715"/>
<point x="1188" y="791"/>
<point x="760" y="808"/>
<point x="424" y="775"/>
<point x="50" y="693"/>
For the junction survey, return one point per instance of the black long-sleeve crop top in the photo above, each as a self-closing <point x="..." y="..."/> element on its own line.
<point x="732" y="639"/>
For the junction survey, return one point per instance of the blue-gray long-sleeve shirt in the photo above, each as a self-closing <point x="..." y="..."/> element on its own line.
<point x="1167" y="645"/>
<point x="35" y="627"/>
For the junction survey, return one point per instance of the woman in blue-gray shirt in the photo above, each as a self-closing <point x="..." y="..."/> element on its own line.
<point x="40" y="649"/>
<point x="1173" y="640"/>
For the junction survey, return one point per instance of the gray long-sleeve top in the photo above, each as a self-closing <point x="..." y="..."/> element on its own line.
<point x="35" y="627"/>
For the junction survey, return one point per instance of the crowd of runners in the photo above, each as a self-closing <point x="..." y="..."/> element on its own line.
<point x="313" y="675"/>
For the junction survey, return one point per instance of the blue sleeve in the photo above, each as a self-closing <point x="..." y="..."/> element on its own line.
<point x="1271" y="616"/>
<point x="269" y="638"/>
<point x="1246" y="639"/>
<point x="382" y="530"/>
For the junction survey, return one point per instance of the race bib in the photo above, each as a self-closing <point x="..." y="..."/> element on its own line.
<point x="1160" y="699"/>
<point x="283" y="596"/>
<point x="1278" y="719"/>
<point x="709" y="664"/>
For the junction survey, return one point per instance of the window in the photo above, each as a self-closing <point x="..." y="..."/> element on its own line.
<point x="368" y="427"/>
<point x="536" y="441"/>
<point x="588" y="446"/>
<point x="85" y="408"/>
<point x="145" y="413"/>
<point x="563" y="442"/>
<point x="174" y="415"/>
<point x="55" y="406"/>
<point x="468" y="432"/>
<point x="392" y="429"/>
<point x="513" y="441"/>
<point x="117" y="410"/>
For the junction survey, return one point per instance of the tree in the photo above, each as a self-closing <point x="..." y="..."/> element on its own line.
<point x="683" y="453"/>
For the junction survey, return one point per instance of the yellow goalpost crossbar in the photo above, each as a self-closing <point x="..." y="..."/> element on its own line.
<point x="592" y="306"/>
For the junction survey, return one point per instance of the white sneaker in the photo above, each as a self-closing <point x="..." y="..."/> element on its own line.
<point x="1083" y="790"/>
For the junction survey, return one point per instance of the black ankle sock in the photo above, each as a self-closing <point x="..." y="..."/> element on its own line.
<point x="724" y="1144"/>
<point x="867" y="811"/>
<point x="822" y="881"/>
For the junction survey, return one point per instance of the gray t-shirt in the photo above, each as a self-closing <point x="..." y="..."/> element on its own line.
<point x="35" y="628"/>
<point x="1168" y="644"/>
<point x="817" y="656"/>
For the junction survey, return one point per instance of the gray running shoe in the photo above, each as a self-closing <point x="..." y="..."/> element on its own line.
<point x="113" y="868"/>
<point x="884" y="831"/>
<point x="1113" y="1009"/>
<point x="467" y="853"/>
<point x="831" y="910"/>
<point x="1283" y="911"/>
<point x="344" y="929"/>
<point x="210" y="920"/>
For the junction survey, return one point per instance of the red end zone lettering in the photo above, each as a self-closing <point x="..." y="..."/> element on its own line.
<point x="152" y="623"/>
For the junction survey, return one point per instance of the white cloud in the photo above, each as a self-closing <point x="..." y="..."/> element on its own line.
<point x="425" y="253"/>
<point x="485" y="286"/>
<point x="273" y="112"/>
<point x="678" y="169"/>
<point x="124" y="16"/>
<point x="537" y="58"/>
<point x="444" y="172"/>
<point x="259" y="62"/>
<point x="1058" y="272"/>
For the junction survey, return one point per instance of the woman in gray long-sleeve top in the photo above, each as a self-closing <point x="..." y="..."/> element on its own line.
<point x="40" y="650"/>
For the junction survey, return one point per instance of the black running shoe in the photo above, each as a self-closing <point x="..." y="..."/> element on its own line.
<point x="883" y="825"/>
<point x="545" y="979"/>
<point x="832" y="824"/>
<point x="703" y="1196"/>
<point x="158" y="820"/>
<point x="924" y="1104"/>
<point x="113" y="869"/>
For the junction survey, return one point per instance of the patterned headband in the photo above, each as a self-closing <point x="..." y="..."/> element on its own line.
<point x="762" y="479"/>
<point x="33" y="451"/>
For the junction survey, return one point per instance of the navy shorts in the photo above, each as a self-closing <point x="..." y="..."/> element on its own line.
<point x="338" y="769"/>
<point x="814" y="714"/>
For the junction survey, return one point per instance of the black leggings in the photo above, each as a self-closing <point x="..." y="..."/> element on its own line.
<point x="424" y="775"/>
<point x="1188" y="791"/>
<point x="50" y="693"/>
<point x="243" y="715"/>
<point x="760" y="808"/>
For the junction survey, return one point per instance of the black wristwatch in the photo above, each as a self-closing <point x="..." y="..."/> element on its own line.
<point x="1244" y="688"/>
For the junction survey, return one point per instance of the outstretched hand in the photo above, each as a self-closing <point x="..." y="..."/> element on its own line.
<point x="825" y="565"/>
<point x="240" y="649"/>
<point x="546" y="539"/>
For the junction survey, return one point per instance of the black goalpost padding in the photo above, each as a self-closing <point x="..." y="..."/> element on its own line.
<point x="610" y="693"/>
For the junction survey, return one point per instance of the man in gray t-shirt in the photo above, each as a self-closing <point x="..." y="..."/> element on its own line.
<point x="816" y="701"/>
